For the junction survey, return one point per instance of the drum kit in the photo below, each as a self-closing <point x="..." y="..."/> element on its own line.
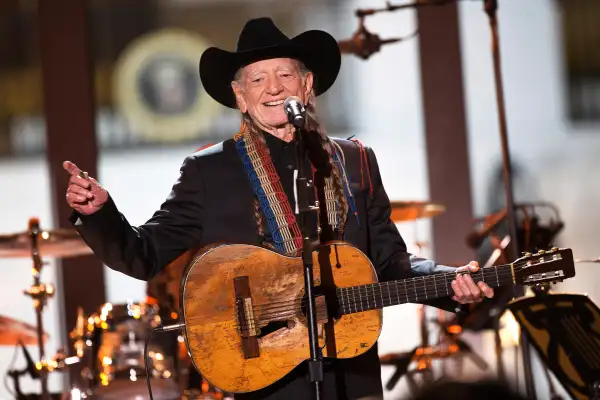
<point x="107" y="345"/>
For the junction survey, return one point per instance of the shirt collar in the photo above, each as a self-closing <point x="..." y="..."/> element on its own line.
<point x="274" y="144"/>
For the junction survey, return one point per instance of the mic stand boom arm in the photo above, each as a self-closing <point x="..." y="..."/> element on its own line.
<point x="391" y="7"/>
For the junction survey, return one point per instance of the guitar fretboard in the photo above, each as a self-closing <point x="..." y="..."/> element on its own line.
<point x="413" y="290"/>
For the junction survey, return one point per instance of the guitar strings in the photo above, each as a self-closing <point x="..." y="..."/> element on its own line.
<point x="363" y="295"/>
<point x="357" y="301"/>
<point x="364" y="289"/>
<point x="291" y="308"/>
<point x="440" y="280"/>
<point x="277" y="310"/>
<point x="357" y="304"/>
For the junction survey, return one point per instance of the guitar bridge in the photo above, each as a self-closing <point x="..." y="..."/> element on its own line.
<point x="247" y="326"/>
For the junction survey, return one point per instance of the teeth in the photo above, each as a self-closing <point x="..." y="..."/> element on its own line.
<point x="274" y="103"/>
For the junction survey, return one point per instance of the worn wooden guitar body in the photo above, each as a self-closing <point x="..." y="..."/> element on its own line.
<point x="244" y="314"/>
<point x="234" y="348"/>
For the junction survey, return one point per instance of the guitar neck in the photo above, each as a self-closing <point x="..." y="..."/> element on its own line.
<point x="413" y="290"/>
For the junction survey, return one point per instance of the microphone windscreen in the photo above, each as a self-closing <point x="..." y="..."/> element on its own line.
<point x="291" y="99"/>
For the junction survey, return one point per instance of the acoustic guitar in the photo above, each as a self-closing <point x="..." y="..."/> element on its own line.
<point x="245" y="315"/>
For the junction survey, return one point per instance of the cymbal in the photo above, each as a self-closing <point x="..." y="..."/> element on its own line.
<point x="58" y="243"/>
<point x="412" y="210"/>
<point x="11" y="331"/>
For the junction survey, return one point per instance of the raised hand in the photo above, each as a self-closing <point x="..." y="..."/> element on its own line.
<point x="84" y="194"/>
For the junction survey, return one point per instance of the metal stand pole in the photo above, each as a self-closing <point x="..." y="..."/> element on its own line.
<point x="491" y="7"/>
<point x="303" y="187"/>
<point x="39" y="295"/>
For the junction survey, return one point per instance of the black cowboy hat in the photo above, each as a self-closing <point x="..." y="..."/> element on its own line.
<point x="260" y="40"/>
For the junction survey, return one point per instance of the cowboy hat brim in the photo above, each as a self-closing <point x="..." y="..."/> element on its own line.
<point x="317" y="50"/>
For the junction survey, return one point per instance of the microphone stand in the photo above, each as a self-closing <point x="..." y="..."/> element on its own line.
<point x="303" y="187"/>
<point x="491" y="7"/>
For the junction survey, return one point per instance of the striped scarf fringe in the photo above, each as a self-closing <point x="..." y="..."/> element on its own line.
<point x="274" y="203"/>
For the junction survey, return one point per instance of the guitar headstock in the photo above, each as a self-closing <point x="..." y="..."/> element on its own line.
<point x="545" y="266"/>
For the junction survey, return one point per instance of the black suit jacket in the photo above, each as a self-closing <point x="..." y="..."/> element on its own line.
<point x="212" y="201"/>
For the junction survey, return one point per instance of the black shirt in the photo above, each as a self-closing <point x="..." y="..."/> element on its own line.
<point x="284" y="156"/>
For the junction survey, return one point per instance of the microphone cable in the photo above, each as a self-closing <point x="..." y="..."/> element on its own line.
<point x="165" y="328"/>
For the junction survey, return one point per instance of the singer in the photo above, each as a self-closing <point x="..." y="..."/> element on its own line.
<point x="242" y="190"/>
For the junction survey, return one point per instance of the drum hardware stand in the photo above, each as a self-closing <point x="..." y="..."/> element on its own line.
<point x="425" y="354"/>
<point x="36" y="370"/>
<point x="80" y="338"/>
<point x="30" y="369"/>
<point x="39" y="292"/>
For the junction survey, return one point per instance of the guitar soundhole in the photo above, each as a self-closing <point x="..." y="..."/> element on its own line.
<point x="327" y="305"/>
<point x="271" y="327"/>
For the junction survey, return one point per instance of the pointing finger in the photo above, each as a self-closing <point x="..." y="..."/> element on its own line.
<point x="71" y="168"/>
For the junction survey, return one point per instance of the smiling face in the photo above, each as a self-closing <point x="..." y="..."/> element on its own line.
<point x="262" y="87"/>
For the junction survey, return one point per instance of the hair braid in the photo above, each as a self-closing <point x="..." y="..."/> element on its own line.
<point x="340" y="197"/>
<point x="259" y="220"/>
<point x="312" y="123"/>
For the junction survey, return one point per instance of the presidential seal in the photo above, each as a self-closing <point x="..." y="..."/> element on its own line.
<point x="157" y="88"/>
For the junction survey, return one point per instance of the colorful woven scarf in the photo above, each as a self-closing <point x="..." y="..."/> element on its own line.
<point x="272" y="200"/>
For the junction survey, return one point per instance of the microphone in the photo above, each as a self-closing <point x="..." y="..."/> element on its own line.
<point x="474" y="239"/>
<point x="295" y="111"/>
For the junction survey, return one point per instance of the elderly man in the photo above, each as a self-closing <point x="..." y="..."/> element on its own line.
<point x="242" y="191"/>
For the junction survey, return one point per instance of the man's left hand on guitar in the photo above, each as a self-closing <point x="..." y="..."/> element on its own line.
<point x="466" y="290"/>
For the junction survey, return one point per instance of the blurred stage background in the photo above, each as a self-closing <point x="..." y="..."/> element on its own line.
<point x="551" y="69"/>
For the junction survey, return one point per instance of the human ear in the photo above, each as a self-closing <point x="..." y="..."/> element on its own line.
<point x="239" y="97"/>
<point x="308" y="85"/>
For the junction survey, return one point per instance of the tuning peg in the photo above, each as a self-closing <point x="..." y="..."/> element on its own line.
<point x="541" y="252"/>
<point x="554" y="249"/>
<point x="526" y="254"/>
